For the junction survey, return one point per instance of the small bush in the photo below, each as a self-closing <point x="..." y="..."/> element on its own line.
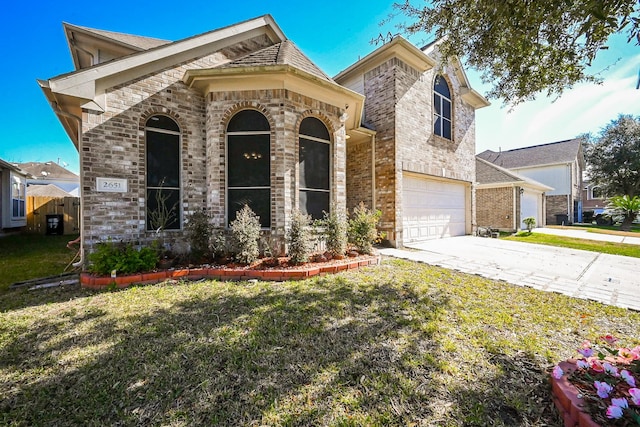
<point x="299" y="238"/>
<point x="122" y="257"/>
<point x="362" y="228"/>
<point x="245" y="230"/>
<point x="335" y="227"/>
<point x="221" y="243"/>
<point x="530" y="222"/>
<point x="199" y="234"/>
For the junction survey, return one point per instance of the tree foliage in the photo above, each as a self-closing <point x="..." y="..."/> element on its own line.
<point x="613" y="157"/>
<point x="625" y="207"/>
<point x="524" y="47"/>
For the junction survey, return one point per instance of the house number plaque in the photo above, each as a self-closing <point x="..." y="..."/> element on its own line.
<point x="111" y="185"/>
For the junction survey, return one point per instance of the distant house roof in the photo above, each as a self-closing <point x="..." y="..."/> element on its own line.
<point x="48" y="171"/>
<point x="12" y="167"/>
<point x="489" y="174"/>
<point x="47" y="190"/>
<point x="538" y="155"/>
<point x="284" y="53"/>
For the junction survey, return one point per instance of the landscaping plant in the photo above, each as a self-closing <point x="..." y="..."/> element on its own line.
<point x="362" y="228"/>
<point x="299" y="239"/>
<point x="626" y="208"/>
<point x="335" y="227"/>
<point x="199" y="233"/>
<point x="608" y="379"/>
<point x="245" y="230"/>
<point x="530" y="222"/>
<point x="121" y="257"/>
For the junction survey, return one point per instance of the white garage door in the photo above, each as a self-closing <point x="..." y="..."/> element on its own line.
<point x="432" y="209"/>
<point x="530" y="206"/>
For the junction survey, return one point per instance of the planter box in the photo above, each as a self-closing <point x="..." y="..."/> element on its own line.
<point x="566" y="400"/>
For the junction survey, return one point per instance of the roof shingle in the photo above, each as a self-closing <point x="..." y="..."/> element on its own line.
<point x="538" y="155"/>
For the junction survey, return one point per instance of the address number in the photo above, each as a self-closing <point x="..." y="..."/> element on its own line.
<point x="111" y="185"/>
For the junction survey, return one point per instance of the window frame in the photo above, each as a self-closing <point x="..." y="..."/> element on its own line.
<point x="440" y="116"/>
<point x="21" y="183"/>
<point x="227" y="187"/>
<point x="147" y="128"/>
<point x="329" y="165"/>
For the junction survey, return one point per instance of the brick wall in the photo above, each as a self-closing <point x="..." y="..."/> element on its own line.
<point x="495" y="208"/>
<point x="359" y="179"/>
<point x="556" y="205"/>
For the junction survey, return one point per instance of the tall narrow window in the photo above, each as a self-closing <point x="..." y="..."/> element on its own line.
<point x="441" y="108"/>
<point x="18" y="189"/>
<point x="249" y="165"/>
<point x="314" y="168"/>
<point x="163" y="174"/>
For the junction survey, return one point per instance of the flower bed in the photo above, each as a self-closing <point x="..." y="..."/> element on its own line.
<point x="258" y="272"/>
<point x="600" y="389"/>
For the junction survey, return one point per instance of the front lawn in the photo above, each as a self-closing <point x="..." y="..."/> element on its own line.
<point x="611" y="248"/>
<point x="401" y="344"/>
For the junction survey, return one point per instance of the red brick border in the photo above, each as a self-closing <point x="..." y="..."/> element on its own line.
<point x="275" y="275"/>
<point x="565" y="397"/>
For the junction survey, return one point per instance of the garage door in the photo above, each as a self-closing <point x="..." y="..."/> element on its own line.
<point x="432" y="209"/>
<point x="529" y="206"/>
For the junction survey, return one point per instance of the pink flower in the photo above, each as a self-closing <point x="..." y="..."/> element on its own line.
<point x="625" y="354"/>
<point x="586" y="352"/>
<point x="557" y="372"/>
<point x="603" y="389"/>
<point x="626" y="375"/>
<point x="635" y="395"/>
<point x="582" y="364"/>
<point x="614" y="412"/>
<point x="610" y="339"/>
<point x="610" y="369"/>
<point x="635" y="352"/>
<point x="596" y="366"/>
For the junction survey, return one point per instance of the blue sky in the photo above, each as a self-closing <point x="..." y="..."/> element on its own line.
<point x="333" y="34"/>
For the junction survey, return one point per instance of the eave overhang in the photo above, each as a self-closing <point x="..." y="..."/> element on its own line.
<point x="279" y="77"/>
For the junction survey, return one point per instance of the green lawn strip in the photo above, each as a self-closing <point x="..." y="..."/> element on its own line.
<point x="608" y="229"/>
<point x="30" y="256"/>
<point x="611" y="248"/>
<point x="400" y="344"/>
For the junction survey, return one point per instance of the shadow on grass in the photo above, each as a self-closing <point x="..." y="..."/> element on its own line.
<point x="354" y="349"/>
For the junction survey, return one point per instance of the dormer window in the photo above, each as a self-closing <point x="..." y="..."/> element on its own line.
<point x="441" y="108"/>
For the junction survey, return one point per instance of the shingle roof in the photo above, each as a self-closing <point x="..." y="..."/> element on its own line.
<point x="48" y="190"/>
<point x="284" y="53"/>
<point x="48" y="170"/>
<point x="140" y="42"/>
<point x="489" y="173"/>
<point x="545" y="154"/>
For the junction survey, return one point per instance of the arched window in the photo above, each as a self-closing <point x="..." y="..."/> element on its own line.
<point x="163" y="173"/>
<point x="596" y="193"/>
<point x="314" y="168"/>
<point x="441" y="108"/>
<point x="249" y="165"/>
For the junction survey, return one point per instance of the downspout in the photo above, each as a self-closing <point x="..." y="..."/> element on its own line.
<point x="58" y="111"/>
<point x="373" y="172"/>
<point x="515" y="210"/>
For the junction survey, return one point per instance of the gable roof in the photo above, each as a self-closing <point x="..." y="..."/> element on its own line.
<point x="539" y="155"/>
<point x="129" y="40"/>
<point x="48" y="190"/>
<point x="283" y="53"/>
<point x="491" y="175"/>
<point x="48" y="171"/>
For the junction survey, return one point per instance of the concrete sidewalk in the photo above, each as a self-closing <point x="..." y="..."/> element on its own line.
<point x="610" y="279"/>
<point x="582" y="233"/>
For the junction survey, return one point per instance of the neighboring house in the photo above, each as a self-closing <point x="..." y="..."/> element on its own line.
<point x="418" y="168"/>
<point x="558" y="165"/>
<point x="594" y="203"/>
<point x="505" y="198"/>
<point x="13" y="185"/>
<point x="240" y="115"/>
<point x="47" y="190"/>
<point x="51" y="173"/>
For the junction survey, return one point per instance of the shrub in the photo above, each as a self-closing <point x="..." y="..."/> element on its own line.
<point x="335" y="230"/>
<point x="245" y="230"/>
<point x="299" y="238"/>
<point x="362" y="228"/>
<point x="530" y="222"/>
<point x="221" y="243"/>
<point x="122" y="257"/>
<point x="199" y="234"/>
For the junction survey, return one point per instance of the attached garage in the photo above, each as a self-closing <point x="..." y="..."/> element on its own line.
<point x="531" y="205"/>
<point x="432" y="209"/>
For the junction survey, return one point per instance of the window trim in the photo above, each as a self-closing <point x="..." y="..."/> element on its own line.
<point x="441" y="116"/>
<point x="21" y="182"/>
<point x="330" y="143"/>
<point x="227" y="187"/>
<point x="146" y="165"/>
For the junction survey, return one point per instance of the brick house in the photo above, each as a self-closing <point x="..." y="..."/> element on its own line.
<point x="505" y="198"/>
<point x="418" y="168"/>
<point x="240" y="115"/>
<point x="558" y="165"/>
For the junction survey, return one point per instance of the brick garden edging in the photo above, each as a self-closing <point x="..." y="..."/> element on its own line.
<point x="565" y="397"/>
<point x="91" y="281"/>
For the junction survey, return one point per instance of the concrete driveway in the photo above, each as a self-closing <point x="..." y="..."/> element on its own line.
<point x="610" y="279"/>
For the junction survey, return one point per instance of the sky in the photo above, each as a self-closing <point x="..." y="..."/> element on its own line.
<point x="334" y="34"/>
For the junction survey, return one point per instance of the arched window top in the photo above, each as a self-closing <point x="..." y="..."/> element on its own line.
<point x="440" y="86"/>
<point x="248" y="120"/>
<point x="162" y="122"/>
<point x="314" y="127"/>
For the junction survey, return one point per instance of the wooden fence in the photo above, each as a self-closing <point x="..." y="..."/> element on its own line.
<point x="41" y="208"/>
